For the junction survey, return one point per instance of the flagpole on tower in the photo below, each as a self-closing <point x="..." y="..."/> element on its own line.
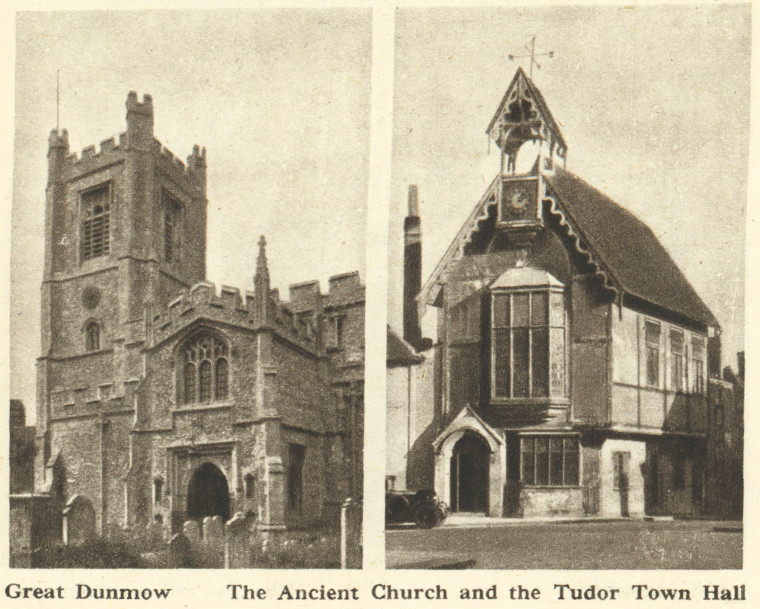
<point x="57" y="99"/>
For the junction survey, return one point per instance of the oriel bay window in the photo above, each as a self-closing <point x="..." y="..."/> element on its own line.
<point x="528" y="344"/>
<point x="549" y="460"/>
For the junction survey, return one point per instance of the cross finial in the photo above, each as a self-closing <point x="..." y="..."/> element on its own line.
<point x="261" y="262"/>
<point x="262" y="272"/>
<point x="532" y="55"/>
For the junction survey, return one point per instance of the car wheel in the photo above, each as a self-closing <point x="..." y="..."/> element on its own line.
<point x="426" y="516"/>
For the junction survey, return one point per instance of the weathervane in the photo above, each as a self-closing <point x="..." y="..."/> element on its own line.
<point x="532" y="50"/>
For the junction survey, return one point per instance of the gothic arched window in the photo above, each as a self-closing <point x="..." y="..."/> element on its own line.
<point x="96" y="222"/>
<point x="190" y="373"/>
<point x="92" y="336"/>
<point x="204" y="370"/>
<point x="221" y="378"/>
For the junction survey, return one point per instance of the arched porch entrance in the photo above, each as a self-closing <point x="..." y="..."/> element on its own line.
<point x="470" y="461"/>
<point x="470" y="465"/>
<point x="208" y="493"/>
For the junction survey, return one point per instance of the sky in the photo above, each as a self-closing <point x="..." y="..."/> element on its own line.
<point x="653" y="102"/>
<point x="279" y="98"/>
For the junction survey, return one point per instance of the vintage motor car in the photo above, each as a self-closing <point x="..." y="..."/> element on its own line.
<point x="421" y="507"/>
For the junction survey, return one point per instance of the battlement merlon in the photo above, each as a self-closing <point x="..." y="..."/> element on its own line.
<point x="304" y="296"/>
<point x="59" y="139"/>
<point x="346" y="288"/>
<point x="139" y="122"/>
<point x="145" y="108"/>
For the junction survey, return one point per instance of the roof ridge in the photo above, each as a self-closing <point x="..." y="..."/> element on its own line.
<point x="655" y="291"/>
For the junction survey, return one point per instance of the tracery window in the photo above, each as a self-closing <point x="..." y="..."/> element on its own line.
<point x="205" y="370"/>
<point x="528" y="344"/>
<point x="96" y="222"/>
<point x="92" y="336"/>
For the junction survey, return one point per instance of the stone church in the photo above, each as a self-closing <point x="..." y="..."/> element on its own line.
<point x="161" y="397"/>
<point x="572" y="369"/>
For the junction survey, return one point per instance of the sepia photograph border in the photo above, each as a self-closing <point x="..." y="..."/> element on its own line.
<point x="196" y="588"/>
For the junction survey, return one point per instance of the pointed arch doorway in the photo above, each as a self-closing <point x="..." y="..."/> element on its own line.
<point x="208" y="493"/>
<point x="471" y="478"/>
<point x="470" y="462"/>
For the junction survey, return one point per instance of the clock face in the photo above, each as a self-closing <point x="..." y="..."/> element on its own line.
<point x="518" y="200"/>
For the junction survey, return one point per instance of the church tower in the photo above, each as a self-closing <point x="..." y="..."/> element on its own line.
<point x="125" y="232"/>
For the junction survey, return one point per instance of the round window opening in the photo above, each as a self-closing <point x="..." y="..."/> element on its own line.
<point x="91" y="297"/>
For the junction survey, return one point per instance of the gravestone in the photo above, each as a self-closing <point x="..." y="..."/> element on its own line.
<point x="351" y="534"/>
<point x="78" y="520"/>
<point x="154" y="533"/>
<point x="180" y="551"/>
<point x="237" y="549"/>
<point x="213" y="531"/>
<point x="192" y="530"/>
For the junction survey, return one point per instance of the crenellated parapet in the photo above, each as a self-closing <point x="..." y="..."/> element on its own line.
<point x="66" y="165"/>
<point x="191" y="176"/>
<point x="201" y="301"/>
<point x="231" y="307"/>
<point x="91" y="159"/>
<point x="97" y="399"/>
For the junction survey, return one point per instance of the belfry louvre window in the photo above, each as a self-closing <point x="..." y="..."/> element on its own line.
<point x="528" y="344"/>
<point x="204" y="370"/>
<point x="549" y="461"/>
<point x="96" y="221"/>
<point x="172" y="208"/>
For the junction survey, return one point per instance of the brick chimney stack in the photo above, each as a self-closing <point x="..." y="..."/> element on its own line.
<point x="412" y="269"/>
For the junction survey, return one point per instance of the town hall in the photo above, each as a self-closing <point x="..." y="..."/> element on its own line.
<point x="575" y="371"/>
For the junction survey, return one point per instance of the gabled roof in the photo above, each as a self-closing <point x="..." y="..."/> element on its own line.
<point x="622" y="246"/>
<point x="399" y="352"/>
<point x="469" y="420"/>
<point x="521" y="79"/>
<point x="640" y="265"/>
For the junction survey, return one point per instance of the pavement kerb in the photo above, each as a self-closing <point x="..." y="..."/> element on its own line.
<point x="483" y="522"/>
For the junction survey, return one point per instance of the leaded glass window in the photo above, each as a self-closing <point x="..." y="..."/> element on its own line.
<point x="528" y="344"/>
<point x="205" y="370"/>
